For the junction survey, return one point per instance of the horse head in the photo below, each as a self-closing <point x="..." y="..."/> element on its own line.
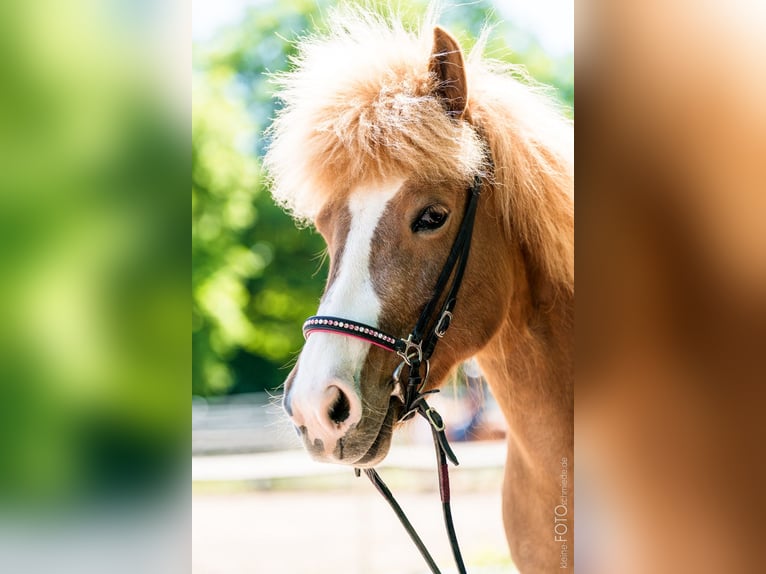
<point x="388" y="239"/>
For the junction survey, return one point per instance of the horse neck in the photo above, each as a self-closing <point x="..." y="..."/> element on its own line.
<point x="529" y="367"/>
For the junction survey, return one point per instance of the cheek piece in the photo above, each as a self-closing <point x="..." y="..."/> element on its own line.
<point x="414" y="351"/>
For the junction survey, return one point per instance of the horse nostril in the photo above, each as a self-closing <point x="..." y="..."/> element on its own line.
<point x="341" y="408"/>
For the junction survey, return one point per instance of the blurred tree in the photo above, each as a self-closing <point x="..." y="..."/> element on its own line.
<point x="255" y="275"/>
<point x="245" y="322"/>
<point x="93" y="293"/>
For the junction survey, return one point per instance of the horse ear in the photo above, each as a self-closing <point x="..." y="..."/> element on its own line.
<point x="447" y="66"/>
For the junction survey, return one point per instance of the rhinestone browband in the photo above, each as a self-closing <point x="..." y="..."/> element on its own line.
<point x="353" y="329"/>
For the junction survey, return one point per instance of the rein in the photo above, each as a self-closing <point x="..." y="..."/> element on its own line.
<point x="415" y="351"/>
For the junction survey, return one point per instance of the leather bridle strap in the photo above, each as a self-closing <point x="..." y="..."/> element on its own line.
<point x="355" y="329"/>
<point x="414" y="350"/>
<point x="437" y="429"/>
<point x="422" y="340"/>
<point x="456" y="262"/>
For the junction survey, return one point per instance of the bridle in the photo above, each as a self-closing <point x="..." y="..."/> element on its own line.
<point x="416" y="351"/>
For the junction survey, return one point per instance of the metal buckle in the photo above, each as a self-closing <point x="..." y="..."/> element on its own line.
<point x="441" y="328"/>
<point x="398" y="390"/>
<point x="407" y="354"/>
<point x="408" y="415"/>
<point x="398" y="372"/>
<point x="438" y="426"/>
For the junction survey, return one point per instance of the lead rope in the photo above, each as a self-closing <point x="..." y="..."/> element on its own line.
<point x="443" y="454"/>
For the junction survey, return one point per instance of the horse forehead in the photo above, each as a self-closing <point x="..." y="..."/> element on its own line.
<point x="350" y="224"/>
<point x="364" y="202"/>
<point x="367" y="203"/>
<point x="355" y="221"/>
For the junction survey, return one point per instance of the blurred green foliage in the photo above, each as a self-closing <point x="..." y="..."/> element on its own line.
<point x="94" y="354"/>
<point x="255" y="275"/>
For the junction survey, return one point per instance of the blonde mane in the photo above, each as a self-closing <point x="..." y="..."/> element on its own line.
<point x="360" y="106"/>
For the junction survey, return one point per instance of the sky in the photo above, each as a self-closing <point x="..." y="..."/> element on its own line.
<point x="552" y="21"/>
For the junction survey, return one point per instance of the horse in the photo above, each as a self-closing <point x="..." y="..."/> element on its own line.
<point x="382" y="129"/>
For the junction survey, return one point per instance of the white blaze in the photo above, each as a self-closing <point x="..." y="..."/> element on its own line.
<point x="327" y="356"/>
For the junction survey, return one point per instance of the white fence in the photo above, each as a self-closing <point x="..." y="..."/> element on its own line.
<point x="240" y="423"/>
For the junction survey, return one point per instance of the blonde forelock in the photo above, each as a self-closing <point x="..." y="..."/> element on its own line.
<point x="359" y="106"/>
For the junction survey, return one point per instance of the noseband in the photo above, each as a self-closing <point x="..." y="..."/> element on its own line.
<point x="415" y="351"/>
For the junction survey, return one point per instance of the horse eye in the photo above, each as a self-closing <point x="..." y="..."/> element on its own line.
<point x="432" y="217"/>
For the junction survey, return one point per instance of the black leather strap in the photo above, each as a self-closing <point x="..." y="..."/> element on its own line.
<point x="415" y="398"/>
<point x="374" y="477"/>
<point x="456" y="262"/>
<point x="415" y="350"/>
<point x="443" y="453"/>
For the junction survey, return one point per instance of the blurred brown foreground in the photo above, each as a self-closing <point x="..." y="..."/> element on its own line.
<point x="671" y="264"/>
